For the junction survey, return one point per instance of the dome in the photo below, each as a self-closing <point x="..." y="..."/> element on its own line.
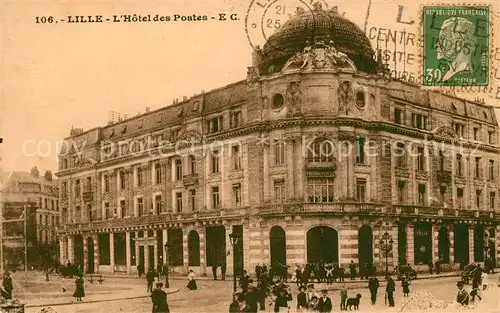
<point x="310" y="26"/>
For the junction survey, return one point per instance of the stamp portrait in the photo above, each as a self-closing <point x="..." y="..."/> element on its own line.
<point x="456" y="45"/>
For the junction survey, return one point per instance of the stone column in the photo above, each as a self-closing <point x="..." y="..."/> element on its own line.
<point x="71" y="254"/>
<point x="229" y="247"/>
<point x="451" y="234"/>
<point x="127" y="252"/>
<point x="265" y="186"/>
<point x="290" y="169"/>
<point x="394" y="234"/>
<point x="410" y="254"/>
<point x="112" y="251"/>
<point x="471" y="244"/>
<point x="165" y="240"/>
<point x="146" y="258"/>
<point x="435" y="242"/>
<point x="203" y="266"/>
<point x="61" y="250"/>
<point x="185" y="255"/>
<point x="85" y="255"/>
<point x="95" y="240"/>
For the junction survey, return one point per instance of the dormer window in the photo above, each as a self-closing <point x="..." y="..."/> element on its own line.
<point x="360" y="98"/>
<point x="124" y="129"/>
<point x="196" y="105"/>
<point x="398" y="116"/>
<point x="159" y="118"/>
<point x="140" y="124"/>
<point x="485" y="115"/>
<point x="215" y="125"/>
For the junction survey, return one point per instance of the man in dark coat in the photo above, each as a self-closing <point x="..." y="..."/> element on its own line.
<point x="390" y="288"/>
<point x="7" y="286"/>
<point x="373" y="285"/>
<point x="150" y="277"/>
<point x="325" y="303"/>
<point x="263" y="288"/>
<point x="352" y="269"/>
<point x="302" y="304"/>
<point x="214" y="270"/>
<point x="257" y="271"/>
<point x="234" y="307"/>
<point x="284" y="295"/>
<point x="252" y="297"/>
<point x="159" y="299"/>
<point x="244" y="281"/>
<point x="223" y="271"/>
<point x="140" y="269"/>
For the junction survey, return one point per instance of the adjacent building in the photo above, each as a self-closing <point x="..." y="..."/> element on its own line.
<point x="314" y="157"/>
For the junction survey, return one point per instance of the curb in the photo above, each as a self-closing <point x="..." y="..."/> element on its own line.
<point x="174" y="290"/>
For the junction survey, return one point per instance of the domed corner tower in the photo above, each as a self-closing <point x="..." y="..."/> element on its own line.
<point x="313" y="27"/>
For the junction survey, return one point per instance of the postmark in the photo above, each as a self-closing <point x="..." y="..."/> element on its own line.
<point x="456" y="43"/>
<point x="266" y="17"/>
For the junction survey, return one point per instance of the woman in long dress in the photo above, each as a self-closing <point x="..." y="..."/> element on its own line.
<point x="192" y="281"/>
<point x="79" y="290"/>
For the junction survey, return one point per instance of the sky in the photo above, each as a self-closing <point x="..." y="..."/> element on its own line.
<point x="56" y="76"/>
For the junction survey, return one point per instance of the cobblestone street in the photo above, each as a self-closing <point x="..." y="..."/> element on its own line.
<point x="215" y="296"/>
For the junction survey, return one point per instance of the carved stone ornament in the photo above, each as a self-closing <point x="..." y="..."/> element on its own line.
<point x="190" y="137"/>
<point x="345" y="97"/>
<point x="293" y="97"/>
<point x="445" y="131"/>
<point x="319" y="56"/>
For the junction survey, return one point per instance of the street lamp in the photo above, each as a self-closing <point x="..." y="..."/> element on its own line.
<point x="167" y="265"/>
<point x="234" y="241"/>
<point x="386" y="247"/>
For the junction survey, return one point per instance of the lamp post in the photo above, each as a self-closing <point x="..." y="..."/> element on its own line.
<point x="167" y="265"/>
<point x="386" y="247"/>
<point x="234" y="241"/>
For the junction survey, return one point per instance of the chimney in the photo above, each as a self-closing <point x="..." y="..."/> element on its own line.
<point x="48" y="175"/>
<point x="35" y="172"/>
<point x="202" y="91"/>
<point x="256" y="57"/>
<point x="184" y="98"/>
<point x="148" y="109"/>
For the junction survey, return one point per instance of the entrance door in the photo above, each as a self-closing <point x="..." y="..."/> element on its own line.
<point x="151" y="257"/>
<point x="216" y="245"/>
<point x="90" y="255"/>
<point x="365" y="245"/>
<point x="322" y="244"/>
<point x="277" y="238"/>
<point x="78" y="250"/>
<point x="141" y="256"/>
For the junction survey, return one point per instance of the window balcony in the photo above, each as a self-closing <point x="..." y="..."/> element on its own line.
<point x="88" y="196"/>
<point x="321" y="166"/>
<point x="444" y="176"/>
<point x="189" y="180"/>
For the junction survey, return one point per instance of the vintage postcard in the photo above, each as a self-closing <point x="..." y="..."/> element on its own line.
<point x="250" y="155"/>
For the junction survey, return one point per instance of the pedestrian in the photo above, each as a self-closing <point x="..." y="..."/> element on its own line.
<point x="234" y="307"/>
<point x="475" y="290"/>
<point x="324" y="303"/>
<point x="257" y="271"/>
<point x="284" y="295"/>
<point x="252" y="297"/>
<point x="437" y="265"/>
<point x="244" y="281"/>
<point x="150" y="277"/>
<point x="243" y="304"/>
<point x="311" y="292"/>
<point x="405" y="283"/>
<point x="140" y="269"/>
<point x="484" y="279"/>
<point x="8" y="286"/>
<point x="313" y="304"/>
<point x="159" y="300"/>
<point x="431" y="267"/>
<point x="389" y="289"/>
<point x="352" y="270"/>
<point x="192" y="281"/>
<point x="214" y="270"/>
<point x="302" y="304"/>
<point x="79" y="289"/>
<point x="343" y="297"/>
<point x="223" y="271"/>
<point x="462" y="295"/>
<point x="263" y="288"/>
<point x="373" y="285"/>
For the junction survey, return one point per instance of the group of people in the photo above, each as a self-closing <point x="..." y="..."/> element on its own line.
<point x="329" y="272"/>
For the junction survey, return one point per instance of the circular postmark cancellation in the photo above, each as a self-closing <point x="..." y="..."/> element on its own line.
<point x="266" y="17"/>
<point x="456" y="45"/>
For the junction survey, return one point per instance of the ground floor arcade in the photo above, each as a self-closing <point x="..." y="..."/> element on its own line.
<point x="285" y="240"/>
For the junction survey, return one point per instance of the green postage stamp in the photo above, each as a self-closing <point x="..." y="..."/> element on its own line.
<point x="456" y="45"/>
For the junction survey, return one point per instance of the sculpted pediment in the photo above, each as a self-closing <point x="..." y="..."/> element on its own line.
<point x="445" y="132"/>
<point x="190" y="136"/>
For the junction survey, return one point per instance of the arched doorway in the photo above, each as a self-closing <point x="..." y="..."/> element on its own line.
<point x="365" y="245"/>
<point x="78" y="250"/>
<point x="90" y="255"/>
<point x="277" y="238"/>
<point x="322" y="244"/>
<point x="444" y="244"/>
<point x="193" y="248"/>
<point x="422" y="236"/>
<point x="461" y="243"/>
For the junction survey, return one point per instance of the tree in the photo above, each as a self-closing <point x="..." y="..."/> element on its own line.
<point x="48" y="257"/>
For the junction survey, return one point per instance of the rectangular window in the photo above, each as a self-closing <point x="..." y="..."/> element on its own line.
<point x="321" y="190"/>
<point x="420" y="159"/>
<point x="215" y="161"/>
<point x="107" y="213"/>
<point x="492" y="170"/>
<point x="140" y="206"/>
<point x="320" y="151"/>
<point x="478" y="167"/>
<point x="492" y="200"/>
<point x="419" y="121"/>
<point x="215" y="197"/>
<point x="192" y="164"/>
<point x="361" y="190"/>
<point x="106" y="183"/>
<point x="476" y="133"/>
<point x="192" y="195"/>
<point x="459" y="165"/>
<point x="158" y="203"/>
<point x="77" y="188"/>
<point x="236" y="157"/>
<point x="478" y="199"/>
<point x="235" y="119"/>
<point x="460" y="198"/>
<point x="122" y="180"/>
<point x="237" y="195"/>
<point x="421" y="194"/>
<point x="401" y="192"/>
<point x="64" y="190"/>
<point x="158" y="174"/>
<point x="279" y="152"/>
<point x="123" y="208"/>
<point x="215" y="125"/>
<point x="400" y="155"/>
<point x="178" y="169"/>
<point x="459" y="130"/>
<point x="89" y="183"/>
<point x="360" y="150"/>
<point x="442" y="194"/>
<point x="178" y="201"/>
<point x="279" y="191"/>
<point x="398" y="116"/>
<point x="139" y="177"/>
<point x="441" y="161"/>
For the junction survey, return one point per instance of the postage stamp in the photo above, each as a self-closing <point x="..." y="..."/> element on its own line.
<point x="456" y="45"/>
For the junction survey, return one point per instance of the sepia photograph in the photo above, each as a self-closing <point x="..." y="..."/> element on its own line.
<point x="207" y="156"/>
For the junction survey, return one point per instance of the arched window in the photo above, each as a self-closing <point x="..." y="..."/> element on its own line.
<point x="194" y="248"/>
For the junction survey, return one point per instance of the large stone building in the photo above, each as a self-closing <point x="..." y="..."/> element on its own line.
<point x="313" y="157"/>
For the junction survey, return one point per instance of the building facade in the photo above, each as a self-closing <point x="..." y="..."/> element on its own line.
<point x="315" y="156"/>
